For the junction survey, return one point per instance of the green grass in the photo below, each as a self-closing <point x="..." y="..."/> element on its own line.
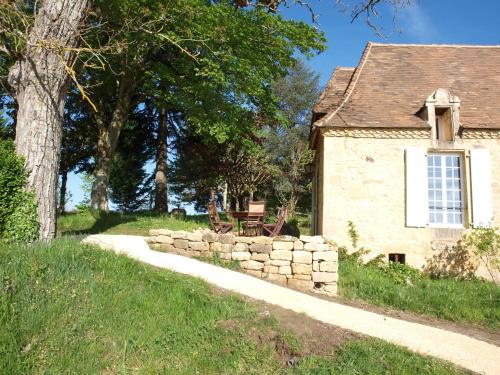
<point x="134" y="223"/>
<point x="475" y="301"/>
<point x="68" y="308"/>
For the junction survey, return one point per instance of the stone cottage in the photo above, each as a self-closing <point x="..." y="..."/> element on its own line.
<point x="407" y="147"/>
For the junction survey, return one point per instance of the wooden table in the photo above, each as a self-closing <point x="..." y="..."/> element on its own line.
<point x="243" y="216"/>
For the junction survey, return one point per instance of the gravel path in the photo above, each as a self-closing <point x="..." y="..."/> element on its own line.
<point x="461" y="350"/>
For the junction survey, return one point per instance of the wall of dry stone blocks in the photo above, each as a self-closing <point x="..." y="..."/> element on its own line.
<point x="307" y="263"/>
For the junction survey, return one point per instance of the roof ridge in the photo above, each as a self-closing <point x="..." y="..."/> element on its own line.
<point x="435" y="45"/>
<point x="353" y="81"/>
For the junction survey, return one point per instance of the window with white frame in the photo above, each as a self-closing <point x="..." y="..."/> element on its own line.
<point x="445" y="193"/>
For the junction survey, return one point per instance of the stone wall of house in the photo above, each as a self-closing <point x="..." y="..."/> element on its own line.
<point x="308" y="263"/>
<point x="364" y="182"/>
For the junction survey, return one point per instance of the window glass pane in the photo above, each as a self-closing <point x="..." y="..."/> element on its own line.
<point x="444" y="189"/>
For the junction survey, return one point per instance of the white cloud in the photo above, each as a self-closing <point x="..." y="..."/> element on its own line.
<point x="416" y="23"/>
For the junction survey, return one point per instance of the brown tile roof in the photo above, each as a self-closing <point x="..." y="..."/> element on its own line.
<point x="333" y="93"/>
<point x="392" y="82"/>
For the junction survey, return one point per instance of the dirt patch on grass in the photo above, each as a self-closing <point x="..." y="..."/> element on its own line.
<point x="310" y="337"/>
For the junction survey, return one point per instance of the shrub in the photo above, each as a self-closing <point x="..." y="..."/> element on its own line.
<point x="485" y="244"/>
<point x="401" y="273"/>
<point x="17" y="207"/>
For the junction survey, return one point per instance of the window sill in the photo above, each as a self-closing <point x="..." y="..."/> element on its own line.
<point x="445" y="226"/>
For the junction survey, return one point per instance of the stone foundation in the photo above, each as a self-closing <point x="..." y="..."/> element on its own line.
<point x="309" y="263"/>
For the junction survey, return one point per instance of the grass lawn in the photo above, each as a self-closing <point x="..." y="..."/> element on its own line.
<point x="476" y="301"/>
<point x="68" y="308"/>
<point x="134" y="223"/>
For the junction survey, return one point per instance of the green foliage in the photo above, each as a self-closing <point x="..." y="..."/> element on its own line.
<point x="353" y="234"/>
<point x="485" y="244"/>
<point x="129" y="187"/>
<point x="401" y="273"/>
<point x="286" y="140"/>
<point x="475" y="301"/>
<point x="22" y="224"/>
<point x="18" y="220"/>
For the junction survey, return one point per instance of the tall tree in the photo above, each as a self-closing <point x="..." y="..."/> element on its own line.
<point x="287" y="143"/>
<point x="39" y="79"/>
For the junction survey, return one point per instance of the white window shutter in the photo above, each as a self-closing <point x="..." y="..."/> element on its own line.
<point x="416" y="187"/>
<point x="480" y="174"/>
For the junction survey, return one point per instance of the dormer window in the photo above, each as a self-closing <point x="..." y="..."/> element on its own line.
<point x="442" y="114"/>
<point x="444" y="125"/>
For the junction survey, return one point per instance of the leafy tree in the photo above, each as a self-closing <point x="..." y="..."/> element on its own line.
<point x="287" y="143"/>
<point x="129" y="186"/>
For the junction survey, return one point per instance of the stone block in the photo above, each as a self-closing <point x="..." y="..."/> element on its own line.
<point x="225" y="256"/>
<point x="227" y="238"/>
<point x="260" y="248"/>
<point x="160" y="232"/>
<point x="181" y="244"/>
<point x="262" y="240"/>
<point x="311" y="246"/>
<point x="298" y="245"/>
<point x="178" y="234"/>
<point x="312" y="239"/>
<point x="278" y="245"/>
<point x="302" y="277"/>
<point x="166" y="247"/>
<point x="300" y="284"/>
<point x="303" y="269"/>
<point x="280" y="279"/>
<point x="285" y="270"/>
<point x="254" y="273"/>
<point x="285" y="238"/>
<point x="240" y="246"/>
<point x="330" y="288"/>
<point x="260" y="257"/>
<point x="241" y="255"/>
<point x="281" y="255"/>
<point x="330" y="241"/>
<point x="199" y="246"/>
<point x="325" y="277"/>
<point x="328" y="256"/>
<point x="271" y="269"/>
<point x="315" y="265"/>
<point x="328" y="266"/>
<point x="195" y="237"/>
<point x="210" y="237"/>
<point x="215" y="246"/>
<point x="279" y="262"/>
<point x="302" y="257"/>
<point x="164" y="239"/>
<point x="247" y="240"/>
<point x="251" y="265"/>
<point x="193" y="254"/>
<point x="226" y="248"/>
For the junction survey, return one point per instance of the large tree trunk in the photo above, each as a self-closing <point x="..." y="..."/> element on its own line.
<point x="107" y="142"/>
<point x="161" y="198"/>
<point x="39" y="80"/>
<point x="62" y="191"/>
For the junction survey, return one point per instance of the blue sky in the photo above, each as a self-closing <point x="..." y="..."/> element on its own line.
<point x="427" y="21"/>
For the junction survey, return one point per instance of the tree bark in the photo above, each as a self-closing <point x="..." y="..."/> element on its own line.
<point x="62" y="191"/>
<point x="107" y="142"/>
<point x="161" y="197"/>
<point x="39" y="80"/>
<point x="224" y="197"/>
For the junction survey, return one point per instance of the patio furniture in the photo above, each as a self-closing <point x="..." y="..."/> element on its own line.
<point x="255" y="218"/>
<point x="272" y="230"/>
<point x="217" y="225"/>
